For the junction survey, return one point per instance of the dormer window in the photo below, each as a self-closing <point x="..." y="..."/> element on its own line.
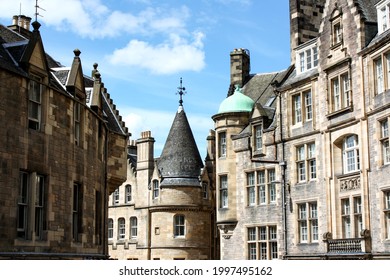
<point x="337" y="27"/>
<point x="258" y="137"/>
<point x="307" y="58"/>
<point x="337" y="33"/>
<point x="383" y="14"/>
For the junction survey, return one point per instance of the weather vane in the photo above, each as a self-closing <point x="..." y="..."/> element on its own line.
<point x="181" y="92"/>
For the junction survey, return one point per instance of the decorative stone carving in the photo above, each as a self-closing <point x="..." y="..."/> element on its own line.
<point x="350" y="183"/>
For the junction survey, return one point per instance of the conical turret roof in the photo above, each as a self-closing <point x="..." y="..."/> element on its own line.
<point x="180" y="162"/>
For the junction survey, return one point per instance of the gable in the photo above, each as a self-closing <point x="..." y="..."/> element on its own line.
<point x="38" y="58"/>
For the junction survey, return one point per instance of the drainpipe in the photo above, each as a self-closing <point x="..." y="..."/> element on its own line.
<point x="283" y="166"/>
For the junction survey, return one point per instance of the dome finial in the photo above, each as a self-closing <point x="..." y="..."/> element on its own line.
<point x="238" y="88"/>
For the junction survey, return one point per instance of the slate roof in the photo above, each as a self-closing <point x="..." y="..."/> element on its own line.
<point x="12" y="49"/>
<point x="259" y="87"/>
<point x="180" y="163"/>
<point x="367" y="8"/>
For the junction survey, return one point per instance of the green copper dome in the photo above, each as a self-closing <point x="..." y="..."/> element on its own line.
<point x="237" y="102"/>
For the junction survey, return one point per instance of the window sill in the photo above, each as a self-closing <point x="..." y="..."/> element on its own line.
<point x="346" y="175"/>
<point x="340" y="111"/>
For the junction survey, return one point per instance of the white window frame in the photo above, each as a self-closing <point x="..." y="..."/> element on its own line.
<point x="251" y="188"/>
<point x="128" y="193"/>
<point x="308" y="222"/>
<point x="266" y="186"/>
<point x="115" y="197"/>
<point x="381" y="68"/>
<point x="222" y="145"/>
<point x="262" y="242"/>
<point x="156" y="189"/>
<point x="302" y="106"/>
<point x="258" y="131"/>
<point x="110" y="228"/>
<point x="383" y="14"/>
<point x="351" y="157"/>
<point x="223" y="191"/>
<point x="179" y="226"/>
<point x="306" y="58"/>
<point x="121" y="228"/>
<point x="384" y="140"/>
<point x="306" y="162"/>
<point x="340" y="90"/>
<point x="386" y="212"/>
<point x="133" y="227"/>
<point x="35" y="103"/>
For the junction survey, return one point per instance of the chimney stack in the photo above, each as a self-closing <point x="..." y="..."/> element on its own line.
<point x="239" y="67"/>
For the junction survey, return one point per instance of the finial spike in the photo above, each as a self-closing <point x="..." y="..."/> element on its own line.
<point x="181" y="92"/>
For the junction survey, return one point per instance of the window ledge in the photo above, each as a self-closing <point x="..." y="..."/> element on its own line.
<point x="340" y="111"/>
<point x="346" y="175"/>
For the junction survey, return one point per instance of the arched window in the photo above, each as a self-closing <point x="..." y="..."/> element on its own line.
<point x="133" y="227"/>
<point x="351" y="154"/>
<point x="121" y="228"/>
<point x="179" y="226"/>
<point x="110" y="228"/>
<point x="128" y="192"/>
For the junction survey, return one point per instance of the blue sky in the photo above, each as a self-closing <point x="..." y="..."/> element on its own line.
<point x="144" y="47"/>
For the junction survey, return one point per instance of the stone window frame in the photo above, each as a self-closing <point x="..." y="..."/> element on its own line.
<point x="381" y="72"/>
<point x="222" y="144"/>
<point x="78" y="122"/>
<point x="306" y="160"/>
<point x="116" y="197"/>
<point x="155" y="189"/>
<point x="223" y="191"/>
<point x="77" y="211"/>
<point x="179" y="226"/>
<point x="336" y="23"/>
<point x="110" y="226"/>
<point x="35" y="102"/>
<point x="262" y="242"/>
<point x="307" y="222"/>
<point x="264" y="187"/>
<point x="133" y="227"/>
<point x="31" y="205"/>
<point x="386" y="212"/>
<point x="384" y="140"/>
<point x="351" y="153"/>
<point x="351" y="216"/>
<point x="121" y="228"/>
<point x="302" y="110"/>
<point x="307" y="57"/>
<point x="128" y="193"/>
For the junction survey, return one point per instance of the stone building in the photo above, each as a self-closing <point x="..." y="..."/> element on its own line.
<point x="166" y="208"/>
<point x="302" y="154"/>
<point x="63" y="152"/>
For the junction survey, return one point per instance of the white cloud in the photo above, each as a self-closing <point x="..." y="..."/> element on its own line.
<point x="174" y="55"/>
<point x="93" y="19"/>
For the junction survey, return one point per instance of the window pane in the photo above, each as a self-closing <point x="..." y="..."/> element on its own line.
<point x="309" y="113"/>
<point x="297" y="109"/>
<point x="379" y="75"/>
<point x="251" y="234"/>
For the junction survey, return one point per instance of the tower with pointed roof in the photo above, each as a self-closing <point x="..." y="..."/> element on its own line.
<point x="172" y="200"/>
